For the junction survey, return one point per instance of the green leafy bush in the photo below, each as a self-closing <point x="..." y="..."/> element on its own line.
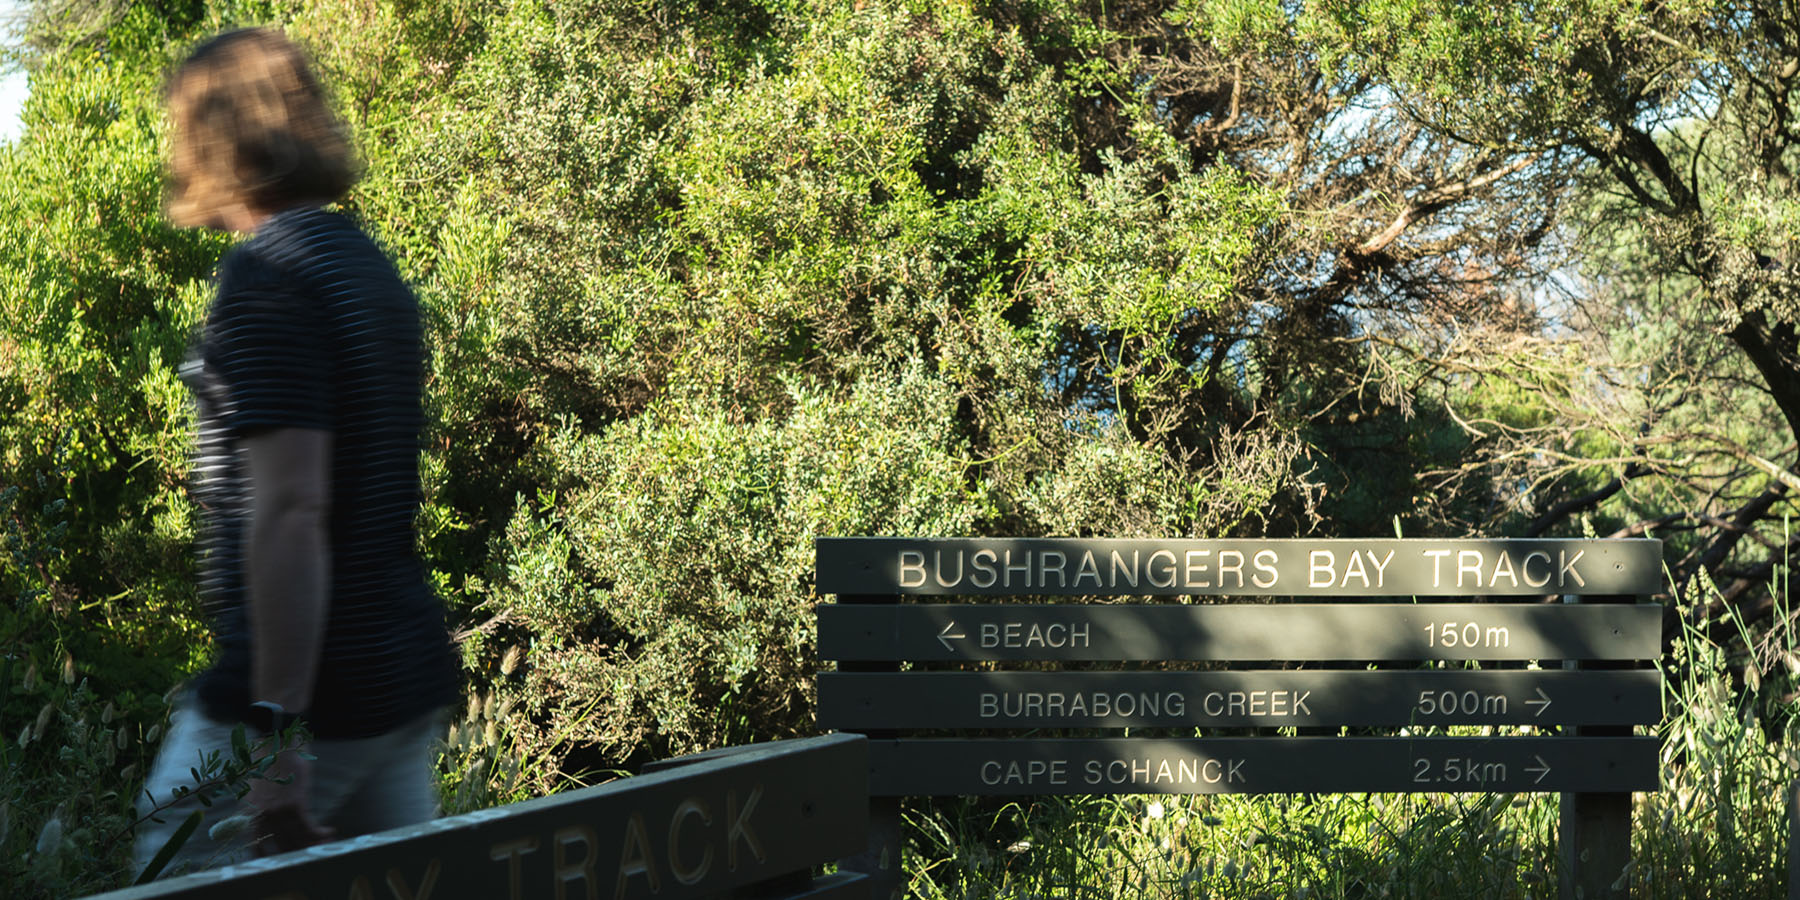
<point x="704" y="281"/>
<point x="666" y="584"/>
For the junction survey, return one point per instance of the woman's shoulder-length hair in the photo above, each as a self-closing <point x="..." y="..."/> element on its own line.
<point x="251" y="126"/>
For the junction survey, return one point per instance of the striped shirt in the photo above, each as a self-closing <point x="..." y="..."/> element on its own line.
<point x="313" y="328"/>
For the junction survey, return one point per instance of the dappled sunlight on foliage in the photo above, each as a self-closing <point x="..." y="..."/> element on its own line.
<point x="705" y="281"/>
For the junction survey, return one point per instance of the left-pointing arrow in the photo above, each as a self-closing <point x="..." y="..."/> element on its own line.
<point x="945" y="637"/>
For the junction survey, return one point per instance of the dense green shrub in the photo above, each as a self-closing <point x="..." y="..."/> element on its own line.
<point x="704" y="281"/>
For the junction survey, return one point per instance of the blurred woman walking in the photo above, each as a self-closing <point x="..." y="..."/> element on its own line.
<point x="307" y="377"/>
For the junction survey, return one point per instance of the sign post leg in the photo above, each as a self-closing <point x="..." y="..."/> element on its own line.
<point x="881" y="862"/>
<point x="1594" y="834"/>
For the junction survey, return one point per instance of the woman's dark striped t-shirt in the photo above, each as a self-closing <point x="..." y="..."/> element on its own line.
<point x="313" y="328"/>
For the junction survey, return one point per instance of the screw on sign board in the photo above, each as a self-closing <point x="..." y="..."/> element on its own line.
<point x="1264" y="645"/>
<point x="753" y="819"/>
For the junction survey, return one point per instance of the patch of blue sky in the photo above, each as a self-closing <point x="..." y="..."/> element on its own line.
<point x="13" y="84"/>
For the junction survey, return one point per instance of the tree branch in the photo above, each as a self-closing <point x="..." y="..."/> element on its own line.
<point x="1436" y="198"/>
<point x="1582" y="503"/>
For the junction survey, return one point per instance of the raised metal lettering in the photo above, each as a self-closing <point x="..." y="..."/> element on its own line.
<point x="583" y="870"/>
<point x="1503" y="568"/>
<point x="1526" y="567"/>
<point x="1235" y="566"/>
<point x="1437" y="566"/>
<point x="634" y="858"/>
<point x="1380" y="567"/>
<point x="740" y="829"/>
<point x="1045" y="569"/>
<point x="1568" y="570"/>
<point x="1321" y="561"/>
<point x="1089" y="569"/>
<point x="1007" y="569"/>
<point x="912" y="562"/>
<point x="1195" y="573"/>
<point x="1354" y="569"/>
<point x="513" y="851"/>
<point x="1265" y="562"/>
<point x="984" y="568"/>
<point x="692" y="806"/>
<point x="397" y="882"/>
<point x="938" y="558"/>
<point x="1130" y="572"/>
<point x="1169" y="572"/>
<point x="1468" y="562"/>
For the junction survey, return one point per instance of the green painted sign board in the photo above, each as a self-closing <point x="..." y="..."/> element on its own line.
<point x="1239" y="631"/>
<point x="1259" y="765"/>
<point x="1239" y="698"/>
<point x="1277" y="567"/>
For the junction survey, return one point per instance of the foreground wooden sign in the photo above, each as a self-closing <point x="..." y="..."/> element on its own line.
<point x="753" y="815"/>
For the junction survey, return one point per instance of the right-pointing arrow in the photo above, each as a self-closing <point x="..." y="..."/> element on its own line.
<point x="1542" y="703"/>
<point x="1542" y="768"/>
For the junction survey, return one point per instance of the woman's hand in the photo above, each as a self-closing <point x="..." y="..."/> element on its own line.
<point x="283" y="818"/>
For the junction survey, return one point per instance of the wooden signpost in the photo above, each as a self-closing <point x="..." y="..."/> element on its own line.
<point x="750" y="821"/>
<point x="1397" y="608"/>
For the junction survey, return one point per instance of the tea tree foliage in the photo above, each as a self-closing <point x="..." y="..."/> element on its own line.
<point x="704" y="281"/>
<point x="1681" y="117"/>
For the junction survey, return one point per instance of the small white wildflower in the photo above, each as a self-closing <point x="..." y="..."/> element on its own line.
<point x="228" y="828"/>
<point x="1154" y="810"/>
<point x="50" y="838"/>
